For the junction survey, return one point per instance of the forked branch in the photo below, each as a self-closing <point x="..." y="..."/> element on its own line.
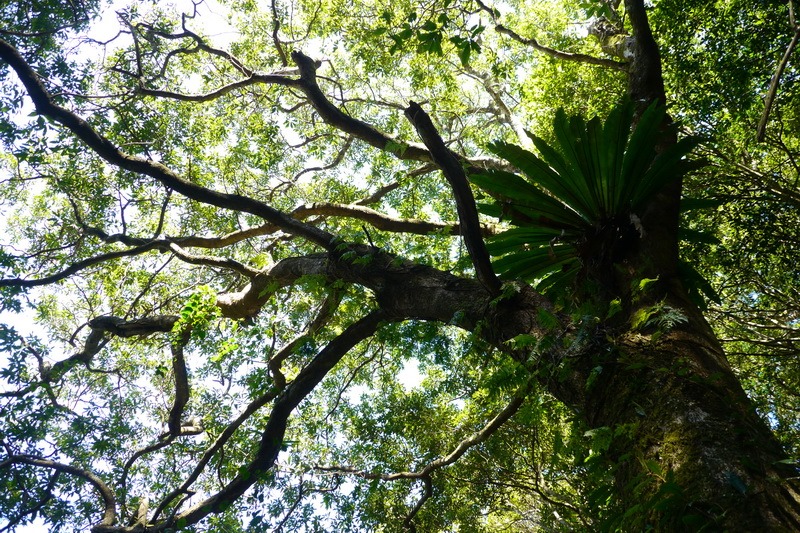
<point x="46" y="106"/>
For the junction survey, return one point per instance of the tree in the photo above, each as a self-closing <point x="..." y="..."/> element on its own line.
<point x="236" y="249"/>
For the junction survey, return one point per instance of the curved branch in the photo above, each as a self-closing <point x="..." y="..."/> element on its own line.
<point x="566" y="56"/>
<point x="773" y="85"/>
<point x="253" y="79"/>
<point x="465" y="201"/>
<point x="181" y="384"/>
<point x="382" y="221"/>
<point x="96" y="339"/>
<point x="272" y="436"/>
<point x="427" y="492"/>
<point x="109" y="502"/>
<point x="208" y="260"/>
<point x="199" y="42"/>
<point x="46" y="106"/>
<point x="337" y="118"/>
<point x="333" y="164"/>
<point x="77" y="267"/>
<point x="276" y="26"/>
<point x="473" y="440"/>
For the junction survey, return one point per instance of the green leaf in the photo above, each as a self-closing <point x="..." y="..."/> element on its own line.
<point x="614" y="307"/>
<point x="519" y="193"/>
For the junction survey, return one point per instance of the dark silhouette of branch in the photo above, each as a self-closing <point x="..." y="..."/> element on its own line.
<point x="107" y="495"/>
<point x="276" y="27"/>
<point x="465" y="201"/>
<point x="645" y="81"/>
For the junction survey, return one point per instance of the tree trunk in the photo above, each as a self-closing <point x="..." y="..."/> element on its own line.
<point x="686" y="447"/>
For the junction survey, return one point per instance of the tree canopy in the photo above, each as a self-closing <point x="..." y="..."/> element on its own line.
<point x="448" y="265"/>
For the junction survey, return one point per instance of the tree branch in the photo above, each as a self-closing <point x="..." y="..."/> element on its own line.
<point x="382" y="221"/>
<point x="427" y="492"/>
<point x="107" y="495"/>
<point x="645" y="81"/>
<point x="493" y="87"/>
<point x="208" y="260"/>
<point x="465" y="201"/>
<point x="566" y="56"/>
<point x="96" y="339"/>
<point x="473" y="440"/>
<point x="272" y="436"/>
<point x="181" y="376"/>
<point x="338" y="119"/>
<point x="45" y="106"/>
<point x="773" y="85"/>
<point x="253" y="79"/>
<point x="77" y="267"/>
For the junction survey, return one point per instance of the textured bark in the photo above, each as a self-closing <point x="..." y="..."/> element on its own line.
<point x="673" y="401"/>
<point x="673" y="393"/>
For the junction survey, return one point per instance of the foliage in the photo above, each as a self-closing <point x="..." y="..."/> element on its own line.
<point x="324" y="374"/>
<point x="587" y="188"/>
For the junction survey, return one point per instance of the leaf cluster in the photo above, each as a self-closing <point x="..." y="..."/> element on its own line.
<point x="587" y="187"/>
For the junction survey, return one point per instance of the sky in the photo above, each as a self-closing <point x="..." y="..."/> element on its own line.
<point x="213" y="23"/>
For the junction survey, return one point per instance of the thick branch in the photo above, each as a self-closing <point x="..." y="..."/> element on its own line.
<point x="645" y="82"/>
<point x="96" y="339"/>
<point x="465" y="201"/>
<point x="404" y="290"/>
<point x="338" y="119"/>
<point x="181" y="376"/>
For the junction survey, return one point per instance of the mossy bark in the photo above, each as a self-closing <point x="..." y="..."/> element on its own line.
<point x="689" y="450"/>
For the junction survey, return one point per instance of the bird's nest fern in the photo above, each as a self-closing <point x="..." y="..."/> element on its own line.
<point x="590" y="185"/>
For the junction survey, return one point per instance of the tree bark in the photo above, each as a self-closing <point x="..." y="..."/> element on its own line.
<point x="688" y="449"/>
